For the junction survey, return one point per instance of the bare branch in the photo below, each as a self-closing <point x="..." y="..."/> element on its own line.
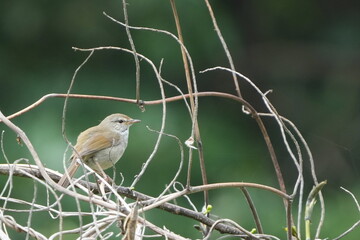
<point x="223" y="43"/>
<point x="253" y="209"/>
<point x="137" y="64"/>
<point x="194" y="103"/>
<point x="145" y="200"/>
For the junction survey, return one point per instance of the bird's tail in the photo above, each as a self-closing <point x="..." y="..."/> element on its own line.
<point x="71" y="170"/>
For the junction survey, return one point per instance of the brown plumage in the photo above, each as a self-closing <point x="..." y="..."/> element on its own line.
<point x="101" y="146"/>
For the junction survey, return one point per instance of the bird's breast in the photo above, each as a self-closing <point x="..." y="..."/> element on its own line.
<point x="107" y="157"/>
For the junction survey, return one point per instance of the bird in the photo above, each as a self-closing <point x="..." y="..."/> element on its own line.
<point x="101" y="146"/>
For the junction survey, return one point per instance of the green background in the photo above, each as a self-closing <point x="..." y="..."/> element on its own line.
<point x="307" y="52"/>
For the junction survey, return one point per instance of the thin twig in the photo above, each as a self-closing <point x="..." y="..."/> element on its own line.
<point x="253" y="210"/>
<point x="246" y="233"/>
<point x="194" y="106"/>
<point x="226" y="49"/>
<point x="30" y="215"/>
<point x="261" y="125"/>
<point x="355" y="225"/>
<point x="289" y="221"/>
<point x="126" y="100"/>
<point x="191" y="65"/>
<point x="353" y="197"/>
<point x="10" y="222"/>
<point x="180" y="165"/>
<point x="137" y="64"/>
<point x="63" y="128"/>
<point x="163" y="121"/>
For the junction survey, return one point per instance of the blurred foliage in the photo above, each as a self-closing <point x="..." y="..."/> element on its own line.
<point x="308" y="52"/>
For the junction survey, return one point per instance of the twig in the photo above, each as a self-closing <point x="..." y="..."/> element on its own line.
<point x="180" y="165"/>
<point x="30" y="215"/>
<point x="126" y="100"/>
<point x="137" y="64"/>
<point x="63" y="127"/>
<point x="194" y="107"/>
<point x="226" y="49"/>
<point x="63" y="122"/>
<point x="163" y="120"/>
<point x="261" y="126"/>
<point x="247" y="233"/>
<point x="353" y="197"/>
<point x="355" y="225"/>
<point x="183" y="47"/>
<point x="289" y="221"/>
<point x="298" y="162"/>
<point x="253" y="210"/>
<point x="10" y="222"/>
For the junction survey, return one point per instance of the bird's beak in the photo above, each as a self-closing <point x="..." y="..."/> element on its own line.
<point x="132" y="121"/>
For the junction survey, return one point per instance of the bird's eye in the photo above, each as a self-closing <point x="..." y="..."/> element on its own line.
<point x="121" y="121"/>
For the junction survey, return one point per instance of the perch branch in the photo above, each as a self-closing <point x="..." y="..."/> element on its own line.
<point x="145" y="200"/>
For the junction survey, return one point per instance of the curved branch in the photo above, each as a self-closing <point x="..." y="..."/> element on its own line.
<point x="127" y="100"/>
<point x="145" y="200"/>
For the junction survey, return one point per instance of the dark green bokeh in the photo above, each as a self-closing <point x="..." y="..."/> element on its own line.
<point x="307" y="52"/>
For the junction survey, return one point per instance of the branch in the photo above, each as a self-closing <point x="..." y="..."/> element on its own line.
<point x="136" y="59"/>
<point x="145" y="200"/>
<point x="126" y="100"/>
<point x="226" y="49"/>
<point x="194" y="110"/>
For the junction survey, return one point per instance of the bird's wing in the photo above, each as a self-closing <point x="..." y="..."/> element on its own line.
<point x="92" y="141"/>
